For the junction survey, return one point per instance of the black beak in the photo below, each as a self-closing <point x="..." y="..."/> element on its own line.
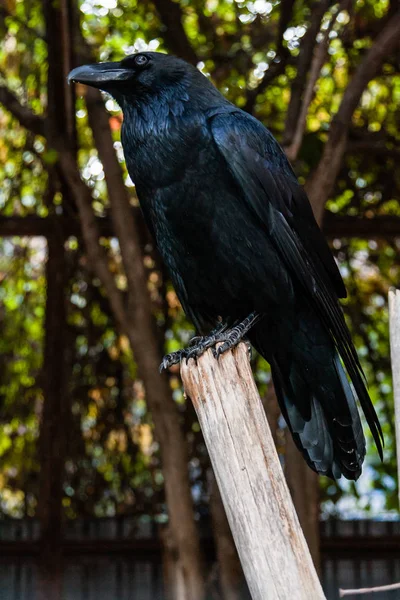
<point x="99" y="75"/>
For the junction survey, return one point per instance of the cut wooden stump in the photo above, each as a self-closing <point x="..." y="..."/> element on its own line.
<point x="271" y="545"/>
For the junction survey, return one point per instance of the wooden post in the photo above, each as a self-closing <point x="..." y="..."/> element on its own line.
<point x="394" y="327"/>
<point x="271" y="545"/>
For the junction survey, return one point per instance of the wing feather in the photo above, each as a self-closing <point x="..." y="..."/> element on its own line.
<point x="274" y="196"/>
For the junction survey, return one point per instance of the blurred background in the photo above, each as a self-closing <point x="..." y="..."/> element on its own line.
<point x="106" y="489"/>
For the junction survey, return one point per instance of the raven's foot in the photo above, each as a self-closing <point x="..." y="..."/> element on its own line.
<point x="199" y="344"/>
<point x="234" y="336"/>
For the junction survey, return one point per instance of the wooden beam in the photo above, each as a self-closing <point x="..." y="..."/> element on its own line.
<point x="333" y="547"/>
<point x="382" y="226"/>
<point x="334" y="226"/>
<point x="32" y="225"/>
<point x="271" y="545"/>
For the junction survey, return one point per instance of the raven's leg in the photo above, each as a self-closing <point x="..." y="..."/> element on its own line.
<point x="233" y="336"/>
<point x="229" y="338"/>
<point x="198" y="340"/>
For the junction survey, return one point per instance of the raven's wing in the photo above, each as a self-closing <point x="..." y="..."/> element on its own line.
<point x="274" y="196"/>
<point x="260" y="166"/>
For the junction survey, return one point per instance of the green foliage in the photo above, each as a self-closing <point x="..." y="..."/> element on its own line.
<point x="22" y="302"/>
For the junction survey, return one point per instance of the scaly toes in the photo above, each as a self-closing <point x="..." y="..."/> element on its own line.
<point x="195" y="340"/>
<point x="196" y="351"/>
<point x="229" y="342"/>
<point x="221" y="349"/>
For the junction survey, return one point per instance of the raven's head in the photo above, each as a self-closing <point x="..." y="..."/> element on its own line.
<point x="139" y="75"/>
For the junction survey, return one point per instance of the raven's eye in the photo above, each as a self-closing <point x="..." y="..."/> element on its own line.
<point x="141" y="60"/>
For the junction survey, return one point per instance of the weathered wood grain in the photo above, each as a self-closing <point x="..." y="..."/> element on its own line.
<point x="271" y="545"/>
<point x="394" y="325"/>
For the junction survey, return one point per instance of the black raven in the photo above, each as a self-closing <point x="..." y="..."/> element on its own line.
<point x="243" y="249"/>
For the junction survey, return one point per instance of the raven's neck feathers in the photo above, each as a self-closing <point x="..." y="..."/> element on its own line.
<point x="153" y="113"/>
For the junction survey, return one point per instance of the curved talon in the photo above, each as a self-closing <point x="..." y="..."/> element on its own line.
<point x="249" y="351"/>
<point x="187" y="358"/>
<point x="171" y="359"/>
<point x="221" y="349"/>
<point x="164" y="363"/>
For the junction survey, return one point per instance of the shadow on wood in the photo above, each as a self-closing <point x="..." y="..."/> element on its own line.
<point x="271" y="545"/>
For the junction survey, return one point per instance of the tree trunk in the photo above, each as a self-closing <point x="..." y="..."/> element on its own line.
<point x="303" y="485"/>
<point x="140" y="328"/>
<point x="53" y="427"/>
<point x="174" y="584"/>
<point x="55" y="414"/>
<point x="273" y="411"/>
<point x="145" y="344"/>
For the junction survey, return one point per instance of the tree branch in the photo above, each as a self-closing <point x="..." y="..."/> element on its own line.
<point x="90" y="232"/>
<point x="276" y="69"/>
<point x="282" y="54"/>
<point x="319" y="8"/>
<point x="285" y="16"/>
<point x="320" y="52"/>
<point x="23" y="114"/>
<point x="321" y="183"/>
<point x="334" y="225"/>
<point x="361" y="591"/>
<point x="384" y="44"/>
<point x="174" y="34"/>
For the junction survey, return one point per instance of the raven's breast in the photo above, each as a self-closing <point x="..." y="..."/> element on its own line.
<point x="221" y="261"/>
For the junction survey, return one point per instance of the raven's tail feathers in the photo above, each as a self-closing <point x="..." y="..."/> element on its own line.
<point x="330" y="438"/>
<point x="315" y="396"/>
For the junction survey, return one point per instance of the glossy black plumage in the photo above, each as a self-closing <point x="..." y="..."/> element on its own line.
<point x="238" y="236"/>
